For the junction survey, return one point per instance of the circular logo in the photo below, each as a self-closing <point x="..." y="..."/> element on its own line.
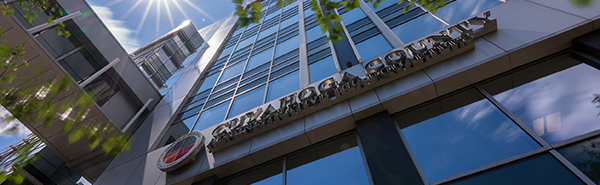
<point x="182" y="151"/>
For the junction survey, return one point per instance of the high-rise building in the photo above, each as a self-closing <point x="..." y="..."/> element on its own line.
<point x="477" y="92"/>
<point x="96" y="64"/>
<point x="160" y="58"/>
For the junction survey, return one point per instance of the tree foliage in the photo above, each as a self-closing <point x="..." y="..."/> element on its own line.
<point x="324" y="12"/>
<point x="47" y="103"/>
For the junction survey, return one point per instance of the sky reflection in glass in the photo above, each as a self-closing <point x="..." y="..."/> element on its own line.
<point x="462" y="9"/>
<point x="417" y="28"/>
<point x="260" y="58"/>
<point x="345" y="167"/>
<point x="372" y="47"/>
<point x="273" y="180"/>
<point x="559" y="106"/>
<point x="232" y="71"/>
<point x="247" y="101"/>
<point x="212" y="116"/>
<point x="462" y="138"/>
<point x="322" y="69"/>
<point x="283" y="86"/>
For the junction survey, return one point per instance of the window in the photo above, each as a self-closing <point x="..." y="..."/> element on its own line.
<point x="322" y="69"/>
<point x="80" y="65"/>
<point x="553" y="98"/>
<point x="462" y="9"/>
<point x="287" y="46"/>
<point x="232" y="71"/>
<point x="336" y="161"/>
<point x="260" y="58"/>
<point x="417" y="28"/>
<point x="208" y="83"/>
<point x="351" y="16"/>
<point x="372" y="47"/>
<point x="212" y="116"/>
<point x="314" y="34"/>
<point x="283" y="86"/>
<point x="543" y="169"/>
<point x="585" y="156"/>
<point x="247" y="101"/>
<point x="460" y="133"/>
<point x="103" y="88"/>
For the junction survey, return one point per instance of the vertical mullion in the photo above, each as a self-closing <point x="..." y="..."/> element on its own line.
<point x="273" y="55"/>
<point x="364" y="158"/>
<point x="514" y="118"/>
<point x="284" y="172"/>
<point x="386" y="31"/>
<point x="571" y="167"/>
<point x="411" y="154"/>
<point x="304" y="73"/>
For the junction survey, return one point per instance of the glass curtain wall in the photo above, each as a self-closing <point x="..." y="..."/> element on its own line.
<point x="526" y="127"/>
<point x="260" y="63"/>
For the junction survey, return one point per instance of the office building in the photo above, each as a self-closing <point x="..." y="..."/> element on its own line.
<point x="160" y="58"/>
<point x="96" y="64"/>
<point x="477" y="92"/>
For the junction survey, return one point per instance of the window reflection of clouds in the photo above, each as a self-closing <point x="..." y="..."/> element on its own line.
<point x="566" y="94"/>
<point x="463" y="138"/>
<point x="462" y="9"/>
<point x="417" y="28"/>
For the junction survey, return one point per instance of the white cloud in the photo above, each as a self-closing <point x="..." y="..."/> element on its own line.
<point x="12" y="128"/>
<point x="125" y="35"/>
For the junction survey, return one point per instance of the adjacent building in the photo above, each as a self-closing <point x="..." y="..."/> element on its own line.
<point x="96" y="64"/>
<point x="163" y="56"/>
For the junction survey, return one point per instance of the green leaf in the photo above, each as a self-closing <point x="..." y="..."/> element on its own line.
<point x="75" y="135"/>
<point x="238" y="1"/>
<point x="67" y="127"/>
<point x="108" y="145"/>
<point x="19" y="179"/>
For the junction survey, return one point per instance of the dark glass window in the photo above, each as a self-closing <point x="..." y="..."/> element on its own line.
<point x="553" y="98"/>
<point x="417" y="28"/>
<point x="212" y="116"/>
<point x="247" y="101"/>
<point x="80" y="65"/>
<point x="543" y="169"/>
<point x="585" y="156"/>
<point x="283" y="86"/>
<point x="460" y="133"/>
<point x="335" y="162"/>
<point x="57" y="45"/>
<point x="103" y="88"/>
<point x="322" y="69"/>
<point x="269" y="174"/>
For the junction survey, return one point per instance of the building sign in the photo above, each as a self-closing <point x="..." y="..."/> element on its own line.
<point x="182" y="151"/>
<point x="398" y="63"/>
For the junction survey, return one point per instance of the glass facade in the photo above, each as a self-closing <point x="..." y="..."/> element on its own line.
<point x="267" y="54"/>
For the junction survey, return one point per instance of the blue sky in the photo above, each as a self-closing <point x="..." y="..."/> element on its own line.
<point x="136" y="22"/>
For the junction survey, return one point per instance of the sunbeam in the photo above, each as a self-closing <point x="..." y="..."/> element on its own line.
<point x="169" y="13"/>
<point x="158" y="15"/>
<point x="199" y="10"/>
<point x="181" y="10"/>
<point x="143" y="18"/>
<point x="132" y="7"/>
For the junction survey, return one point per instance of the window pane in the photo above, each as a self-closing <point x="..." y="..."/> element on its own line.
<point x="462" y="9"/>
<point x="543" y="169"/>
<point x="322" y="69"/>
<point x="417" y="28"/>
<point x="372" y="47"/>
<point x="352" y="16"/>
<point x="283" y="86"/>
<point x="382" y="5"/>
<point x="287" y="46"/>
<point x="335" y="162"/>
<point x="80" y="65"/>
<point x="461" y="133"/>
<point x="247" y="101"/>
<point x="558" y="106"/>
<point x="231" y="71"/>
<point x="212" y="116"/>
<point x="260" y="58"/>
<point x="586" y="157"/>
<point x="314" y="34"/>
<point x="209" y="82"/>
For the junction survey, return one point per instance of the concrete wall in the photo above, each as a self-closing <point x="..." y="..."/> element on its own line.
<point x="527" y="30"/>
